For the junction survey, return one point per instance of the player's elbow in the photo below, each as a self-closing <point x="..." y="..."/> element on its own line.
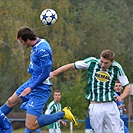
<point x="129" y="90"/>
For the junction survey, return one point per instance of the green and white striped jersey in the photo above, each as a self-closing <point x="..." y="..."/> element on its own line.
<point x="100" y="85"/>
<point x="53" y="107"/>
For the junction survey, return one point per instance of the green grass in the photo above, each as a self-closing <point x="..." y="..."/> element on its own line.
<point x="131" y="128"/>
<point x="45" y="131"/>
<point x="68" y="131"/>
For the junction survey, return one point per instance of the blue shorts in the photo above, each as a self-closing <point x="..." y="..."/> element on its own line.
<point x="36" y="99"/>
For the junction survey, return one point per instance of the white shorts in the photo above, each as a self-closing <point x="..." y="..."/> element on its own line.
<point x="105" y="115"/>
<point x="55" y="130"/>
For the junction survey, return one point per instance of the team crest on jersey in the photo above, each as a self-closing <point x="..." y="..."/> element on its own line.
<point x="32" y="52"/>
<point x="102" y="76"/>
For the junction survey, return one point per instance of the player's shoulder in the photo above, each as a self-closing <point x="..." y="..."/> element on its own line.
<point x="42" y="44"/>
<point x="43" y="47"/>
<point x="51" y="104"/>
<point x="91" y="59"/>
<point x="116" y="64"/>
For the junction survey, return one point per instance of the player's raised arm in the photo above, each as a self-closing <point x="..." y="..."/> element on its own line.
<point x="62" y="69"/>
<point x="125" y="93"/>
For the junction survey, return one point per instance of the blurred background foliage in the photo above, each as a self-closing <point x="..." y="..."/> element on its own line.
<point x="84" y="28"/>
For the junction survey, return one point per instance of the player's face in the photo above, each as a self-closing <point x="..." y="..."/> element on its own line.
<point x="105" y="63"/>
<point x="118" y="87"/>
<point x="57" y="97"/>
<point x="26" y="44"/>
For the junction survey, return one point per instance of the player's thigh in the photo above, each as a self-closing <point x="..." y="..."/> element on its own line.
<point x="58" y="130"/>
<point x="113" y="120"/>
<point x="52" y="130"/>
<point x="21" y="89"/>
<point x="13" y="100"/>
<point x="96" y="114"/>
<point x="37" y="101"/>
<point x="30" y="120"/>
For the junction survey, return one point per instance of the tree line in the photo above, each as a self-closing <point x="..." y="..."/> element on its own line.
<point x="84" y="28"/>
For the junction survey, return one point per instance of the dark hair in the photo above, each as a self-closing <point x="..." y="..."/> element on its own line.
<point x="117" y="81"/>
<point x="26" y="33"/>
<point x="58" y="91"/>
<point x="108" y="54"/>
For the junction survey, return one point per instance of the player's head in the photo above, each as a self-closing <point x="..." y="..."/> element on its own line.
<point x="118" y="86"/>
<point x="57" y="96"/>
<point x="26" y="35"/>
<point x="106" y="59"/>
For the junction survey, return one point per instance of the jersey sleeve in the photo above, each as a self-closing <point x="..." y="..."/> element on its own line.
<point x="122" y="77"/>
<point x="84" y="64"/>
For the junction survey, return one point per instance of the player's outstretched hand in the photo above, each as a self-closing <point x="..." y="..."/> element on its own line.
<point x="118" y="98"/>
<point x="63" y="123"/>
<point x="51" y="75"/>
<point x="25" y="92"/>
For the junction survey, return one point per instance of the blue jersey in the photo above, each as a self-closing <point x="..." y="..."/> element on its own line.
<point x="40" y="64"/>
<point x="119" y="103"/>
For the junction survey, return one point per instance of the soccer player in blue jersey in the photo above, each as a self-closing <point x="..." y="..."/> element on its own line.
<point x="102" y="74"/>
<point x="121" y="106"/>
<point x="37" y="89"/>
<point x="5" y="125"/>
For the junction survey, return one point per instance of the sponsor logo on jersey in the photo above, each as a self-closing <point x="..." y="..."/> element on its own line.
<point x="102" y="76"/>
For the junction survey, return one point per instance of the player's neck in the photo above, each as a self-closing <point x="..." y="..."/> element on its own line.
<point x="35" y="41"/>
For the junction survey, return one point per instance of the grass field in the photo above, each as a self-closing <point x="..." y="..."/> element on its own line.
<point x="68" y="131"/>
<point x="45" y="131"/>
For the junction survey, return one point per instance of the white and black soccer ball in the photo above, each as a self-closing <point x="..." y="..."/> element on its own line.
<point x="48" y="17"/>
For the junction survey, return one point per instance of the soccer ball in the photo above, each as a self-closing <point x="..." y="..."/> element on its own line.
<point x="48" y="17"/>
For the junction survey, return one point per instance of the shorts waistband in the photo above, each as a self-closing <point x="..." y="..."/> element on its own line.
<point x="97" y="102"/>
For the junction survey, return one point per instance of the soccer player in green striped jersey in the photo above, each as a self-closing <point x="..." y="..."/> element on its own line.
<point x="53" y="107"/>
<point x="102" y="74"/>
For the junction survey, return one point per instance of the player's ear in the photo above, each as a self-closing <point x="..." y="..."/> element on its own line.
<point x="112" y="61"/>
<point x="28" y="41"/>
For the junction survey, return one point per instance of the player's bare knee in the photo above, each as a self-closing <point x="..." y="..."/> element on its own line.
<point x="30" y="126"/>
<point x="11" y="103"/>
